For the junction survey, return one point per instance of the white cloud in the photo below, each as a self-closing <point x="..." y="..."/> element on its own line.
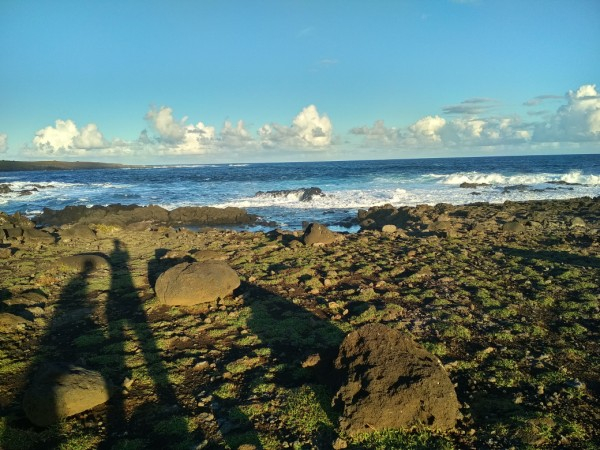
<point x="236" y="137"/>
<point x="177" y="137"/>
<point x="65" y="139"/>
<point x="577" y="121"/>
<point x="309" y="130"/>
<point x="3" y="142"/>
<point x="378" y="133"/>
<point x="427" y="129"/>
<point x="167" y="127"/>
<point x="89" y="137"/>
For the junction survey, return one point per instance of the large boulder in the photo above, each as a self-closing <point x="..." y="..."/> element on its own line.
<point x="61" y="390"/>
<point x="389" y="381"/>
<point x="197" y="282"/>
<point x="316" y="233"/>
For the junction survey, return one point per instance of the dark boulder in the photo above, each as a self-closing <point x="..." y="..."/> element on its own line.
<point x="316" y="233"/>
<point x="303" y="194"/>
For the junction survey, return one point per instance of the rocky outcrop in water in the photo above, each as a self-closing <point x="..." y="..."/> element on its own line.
<point x="303" y="194"/>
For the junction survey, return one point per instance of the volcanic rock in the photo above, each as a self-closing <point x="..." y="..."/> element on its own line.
<point x="35" y="235"/>
<point x="513" y="227"/>
<point x="10" y="322"/>
<point x="316" y="233"/>
<point x="84" y="262"/>
<point x="392" y="382"/>
<point x="194" y="283"/>
<point x="303" y="194"/>
<point x="80" y="232"/>
<point x="123" y="215"/>
<point x="61" y="390"/>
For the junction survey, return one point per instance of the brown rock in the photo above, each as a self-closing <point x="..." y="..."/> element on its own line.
<point x="513" y="227"/>
<point x="84" y="262"/>
<point x="316" y="233"/>
<point x="208" y="255"/>
<point x="78" y="232"/>
<point x="388" y="229"/>
<point x="35" y="235"/>
<point x="194" y="283"/>
<point x="392" y="382"/>
<point x="11" y="322"/>
<point x="61" y="390"/>
<point x="5" y="252"/>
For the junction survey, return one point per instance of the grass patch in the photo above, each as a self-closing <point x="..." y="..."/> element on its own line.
<point x="402" y="440"/>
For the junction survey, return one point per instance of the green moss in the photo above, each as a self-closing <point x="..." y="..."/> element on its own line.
<point x="402" y="440"/>
<point x="307" y="410"/>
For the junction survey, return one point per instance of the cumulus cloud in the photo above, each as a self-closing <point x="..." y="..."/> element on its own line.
<point x="163" y="122"/>
<point x="235" y="136"/>
<point x="64" y="138"/>
<point x="309" y="130"/>
<point x="3" y="142"/>
<point x="378" y="133"/>
<point x="427" y="129"/>
<point x="576" y="121"/>
<point x="175" y="136"/>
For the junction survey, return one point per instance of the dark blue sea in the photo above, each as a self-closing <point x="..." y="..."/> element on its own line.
<point x="347" y="186"/>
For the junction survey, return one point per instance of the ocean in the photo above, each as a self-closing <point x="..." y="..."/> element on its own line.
<point x="347" y="186"/>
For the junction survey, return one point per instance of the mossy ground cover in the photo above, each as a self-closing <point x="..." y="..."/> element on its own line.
<point x="514" y="319"/>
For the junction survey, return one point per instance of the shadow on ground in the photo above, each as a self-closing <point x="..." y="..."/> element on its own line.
<point x="302" y="348"/>
<point x="107" y="332"/>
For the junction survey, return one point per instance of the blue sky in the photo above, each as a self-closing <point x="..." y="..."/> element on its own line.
<point x="221" y="81"/>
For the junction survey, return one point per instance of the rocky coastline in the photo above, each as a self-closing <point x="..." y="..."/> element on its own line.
<point x="265" y="340"/>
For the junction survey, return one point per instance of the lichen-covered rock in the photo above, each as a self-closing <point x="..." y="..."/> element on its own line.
<point x="194" y="283"/>
<point x="60" y="390"/>
<point x="389" y="381"/>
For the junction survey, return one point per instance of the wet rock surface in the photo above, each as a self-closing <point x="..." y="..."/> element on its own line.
<point x="303" y="194"/>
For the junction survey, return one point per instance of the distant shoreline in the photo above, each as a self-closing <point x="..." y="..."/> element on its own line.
<point x="14" y="166"/>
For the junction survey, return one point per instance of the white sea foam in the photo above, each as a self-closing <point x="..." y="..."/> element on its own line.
<point x="508" y="180"/>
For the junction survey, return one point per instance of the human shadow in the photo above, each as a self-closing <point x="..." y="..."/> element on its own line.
<point x="58" y="351"/>
<point x="129" y="336"/>
<point x="303" y="347"/>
